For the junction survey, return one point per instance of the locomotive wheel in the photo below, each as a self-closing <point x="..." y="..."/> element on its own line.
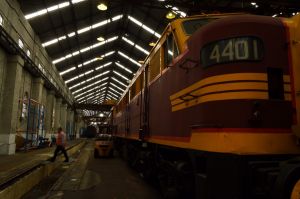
<point x="296" y="191"/>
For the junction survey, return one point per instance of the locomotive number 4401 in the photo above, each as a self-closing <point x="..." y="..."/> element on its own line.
<point x="230" y="50"/>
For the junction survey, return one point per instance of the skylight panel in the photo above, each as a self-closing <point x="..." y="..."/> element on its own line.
<point x="114" y="90"/>
<point x="103" y="66"/>
<point x="91" y="90"/>
<point x="83" y="30"/>
<point x="119" y="74"/>
<point x="128" y="41"/>
<point x="98" y="95"/>
<point x="117" y="87"/>
<point x="135" y="45"/>
<point x="51" y="9"/>
<point x="130" y="59"/>
<point x="123" y="67"/>
<point x="119" y="82"/>
<point x="66" y="71"/>
<point x="89" y="85"/>
<point x="84" y="50"/>
<point x="112" y="97"/>
<point x="142" y="49"/>
<point x="148" y="29"/>
<point x="96" y="59"/>
<point x="101" y="23"/>
<point x="137" y="22"/>
<point x="71" y="34"/>
<point x="117" y="17"/>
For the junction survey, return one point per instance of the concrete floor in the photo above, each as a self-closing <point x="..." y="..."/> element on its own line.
<point x="87" y="178"/>
<point x="115" y="181"/>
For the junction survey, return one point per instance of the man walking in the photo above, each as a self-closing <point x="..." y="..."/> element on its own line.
<point x="60" y="145"/>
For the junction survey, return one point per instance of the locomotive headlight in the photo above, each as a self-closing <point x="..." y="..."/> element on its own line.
<point x="232" y="50"/>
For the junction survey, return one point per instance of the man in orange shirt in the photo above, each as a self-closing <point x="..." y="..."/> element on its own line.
<point x="60" y="145"/>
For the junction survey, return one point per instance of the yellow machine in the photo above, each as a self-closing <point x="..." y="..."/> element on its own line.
<point x="104" y="146"/>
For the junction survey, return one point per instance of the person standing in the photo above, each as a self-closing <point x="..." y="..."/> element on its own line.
<point x="60" y="145"/>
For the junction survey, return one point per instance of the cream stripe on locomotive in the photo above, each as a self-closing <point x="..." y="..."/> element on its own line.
<point x="226" y="87"/>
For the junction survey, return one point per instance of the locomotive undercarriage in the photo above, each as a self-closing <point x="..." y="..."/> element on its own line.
<point x="181" y="173"/>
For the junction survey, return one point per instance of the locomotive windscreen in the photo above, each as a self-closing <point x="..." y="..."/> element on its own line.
<point x="190" y="26"/>
<point x="232" y="50"/>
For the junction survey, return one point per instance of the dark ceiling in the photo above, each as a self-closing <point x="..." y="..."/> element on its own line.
<point x="60" y="23"/>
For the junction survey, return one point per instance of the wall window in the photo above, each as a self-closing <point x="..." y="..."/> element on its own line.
<point x="1" y="20"/>
<point x="28" y="53"/>
<point x="21" y="44"/>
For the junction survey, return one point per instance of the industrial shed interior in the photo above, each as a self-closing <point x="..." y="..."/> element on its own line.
<point x="150" y="99"/>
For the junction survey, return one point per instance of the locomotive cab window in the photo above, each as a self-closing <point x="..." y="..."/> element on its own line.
<point x="190" y="26"/>
<point x="170" y="49"/>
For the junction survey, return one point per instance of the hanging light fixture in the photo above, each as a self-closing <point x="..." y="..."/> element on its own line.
<point x="152" y="44"/>
<point x="100" y="39"/>
<point x="102" y="6"/>
<point x="170" y="15"/>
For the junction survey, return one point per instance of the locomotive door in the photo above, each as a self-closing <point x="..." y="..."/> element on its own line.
<point x="127" y="119"/>
<point x="144" y="107"/>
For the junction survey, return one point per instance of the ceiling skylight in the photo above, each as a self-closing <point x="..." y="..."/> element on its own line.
<point x="86" y="49"/>
<point x="123" y="67"/>
<point x="135" y="45"/>
<point x="51" y="9"/>
<point x="137" y="22"/>
<point x="129" y="58"/>
<point x="82" y="30"/>
<point x="89" y="85"/>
